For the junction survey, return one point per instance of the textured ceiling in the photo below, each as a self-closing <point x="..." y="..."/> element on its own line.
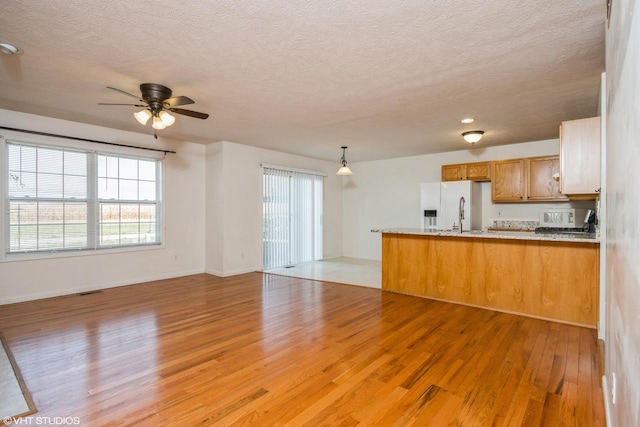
<point x="386" y="78"/>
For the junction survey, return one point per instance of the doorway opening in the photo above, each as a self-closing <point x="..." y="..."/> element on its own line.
<point x="291" y="217"/>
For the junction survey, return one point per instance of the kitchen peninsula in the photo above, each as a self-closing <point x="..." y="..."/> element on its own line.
<point x="551" y="276"/>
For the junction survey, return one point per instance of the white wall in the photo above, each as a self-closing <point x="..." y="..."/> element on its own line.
<point x="214" y="221"/>
<point x="184" y="242"/>
<point x="386" y="193"/>
<point x="622" y="344"/>
<point x="234" y="199"/>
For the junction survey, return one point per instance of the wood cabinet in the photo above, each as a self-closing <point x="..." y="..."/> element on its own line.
<point x="478" y="171"/>
<point x="453" y="172"/>
<point x="508" y="180"/>
<point x="541" y="182"/>
<point x="544" y="279"/>
<point x="526" y="180"/>
<point x="580" y="157"/>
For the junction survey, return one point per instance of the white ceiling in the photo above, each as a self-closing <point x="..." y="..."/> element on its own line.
<point x="386" y="78"/>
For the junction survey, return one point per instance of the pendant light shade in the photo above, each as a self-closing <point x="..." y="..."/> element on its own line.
<point x="344" y="169"/>
<point x="473" y="136"/>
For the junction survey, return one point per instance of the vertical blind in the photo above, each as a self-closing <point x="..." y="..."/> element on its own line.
<point x="46" y="198"/>
<point x="292" y="217"/>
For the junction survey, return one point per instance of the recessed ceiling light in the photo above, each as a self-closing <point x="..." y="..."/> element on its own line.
<point x="468" y="120"/>
<point x="9" y="49"/>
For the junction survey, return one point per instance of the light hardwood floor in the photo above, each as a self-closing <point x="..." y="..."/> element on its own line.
<point x="262" y="350"/>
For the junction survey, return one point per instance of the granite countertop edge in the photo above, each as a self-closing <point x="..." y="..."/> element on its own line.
<point x="512" y="235"/>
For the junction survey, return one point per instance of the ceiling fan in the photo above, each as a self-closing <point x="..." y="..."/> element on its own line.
<point x="157" y="103"/>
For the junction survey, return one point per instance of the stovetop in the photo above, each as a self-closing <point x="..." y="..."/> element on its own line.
<point x="562" y="230"/>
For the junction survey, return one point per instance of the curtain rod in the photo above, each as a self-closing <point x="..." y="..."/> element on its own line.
<point x="34" y="132"/>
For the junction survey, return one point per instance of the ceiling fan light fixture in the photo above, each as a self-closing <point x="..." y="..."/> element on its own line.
<point x="142" y="116"/>
<point x="166" y="118"/>
<point x="158" y="105"/>
<point x="344" y="169"/>
<point x="158" y="123"/>
<point x="473" y="136"/>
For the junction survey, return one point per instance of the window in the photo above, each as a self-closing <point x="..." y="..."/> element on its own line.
<point x="292" y="217"/>
<point x="61" y="199"/>
<point x="127" y="197"/>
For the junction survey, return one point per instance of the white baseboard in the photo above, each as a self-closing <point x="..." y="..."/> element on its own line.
<point x="607" y="400"/>
<point x="70" y="291"/>
<point x="231" y="273"/>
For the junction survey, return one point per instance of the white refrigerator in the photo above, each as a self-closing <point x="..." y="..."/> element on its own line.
<point x="445" y="199"/>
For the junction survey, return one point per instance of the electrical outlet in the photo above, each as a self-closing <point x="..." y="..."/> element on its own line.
<point x="613" y="388"/>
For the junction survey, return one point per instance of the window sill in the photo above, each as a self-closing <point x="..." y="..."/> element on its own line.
<point x="36" y="256"/>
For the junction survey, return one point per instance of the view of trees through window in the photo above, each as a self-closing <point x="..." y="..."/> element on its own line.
<point x="62" y="199"/>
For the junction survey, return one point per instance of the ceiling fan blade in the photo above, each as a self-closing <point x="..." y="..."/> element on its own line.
<point x="178" y="100"/>
<point x="189" y="113"/>
<point x="132" y="105"/>
<point x="125" y="93"/>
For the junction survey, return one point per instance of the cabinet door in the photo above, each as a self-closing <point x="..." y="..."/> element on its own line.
<point x="508" y="180"/>
<point x="540" y="182"/>
<point x="480" y="171"/>
<point x="580" y="156"/>
<point x="453" y="172"/>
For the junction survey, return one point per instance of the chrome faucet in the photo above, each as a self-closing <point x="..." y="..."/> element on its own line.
<point x="461" y="212"/>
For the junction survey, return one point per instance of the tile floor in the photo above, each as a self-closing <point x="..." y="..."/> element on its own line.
<point x="12" y="402"/>
<point x="350" y="271"/>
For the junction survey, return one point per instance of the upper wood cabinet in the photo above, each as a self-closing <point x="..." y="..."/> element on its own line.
<point x="453" y="172"/>
<point x="508" y="180"/>
<point x="526" y="180"/>
<point x="541" y="184"/>
<point x="580" y="157"/>
<point x="478" y="171"/>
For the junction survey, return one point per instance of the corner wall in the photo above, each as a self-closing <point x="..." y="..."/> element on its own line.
<point x="622" y="339"/>
<point x="183" y="203"/>
<point x="234" y="205"/>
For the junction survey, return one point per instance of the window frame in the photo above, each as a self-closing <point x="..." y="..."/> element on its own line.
<point x="93" y="202"/>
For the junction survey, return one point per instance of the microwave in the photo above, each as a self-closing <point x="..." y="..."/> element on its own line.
<point x="565" y="218"/>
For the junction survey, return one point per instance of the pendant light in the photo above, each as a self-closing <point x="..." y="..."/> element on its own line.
<point x="344" y="169"/>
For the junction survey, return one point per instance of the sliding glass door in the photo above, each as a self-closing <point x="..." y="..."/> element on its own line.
<point x="291" y="217"/>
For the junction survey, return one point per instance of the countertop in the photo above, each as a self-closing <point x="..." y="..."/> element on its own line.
<point x="513" y="235"/>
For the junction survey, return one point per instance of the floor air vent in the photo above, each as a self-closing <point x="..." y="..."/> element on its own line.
<point x="89" y="293"/>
